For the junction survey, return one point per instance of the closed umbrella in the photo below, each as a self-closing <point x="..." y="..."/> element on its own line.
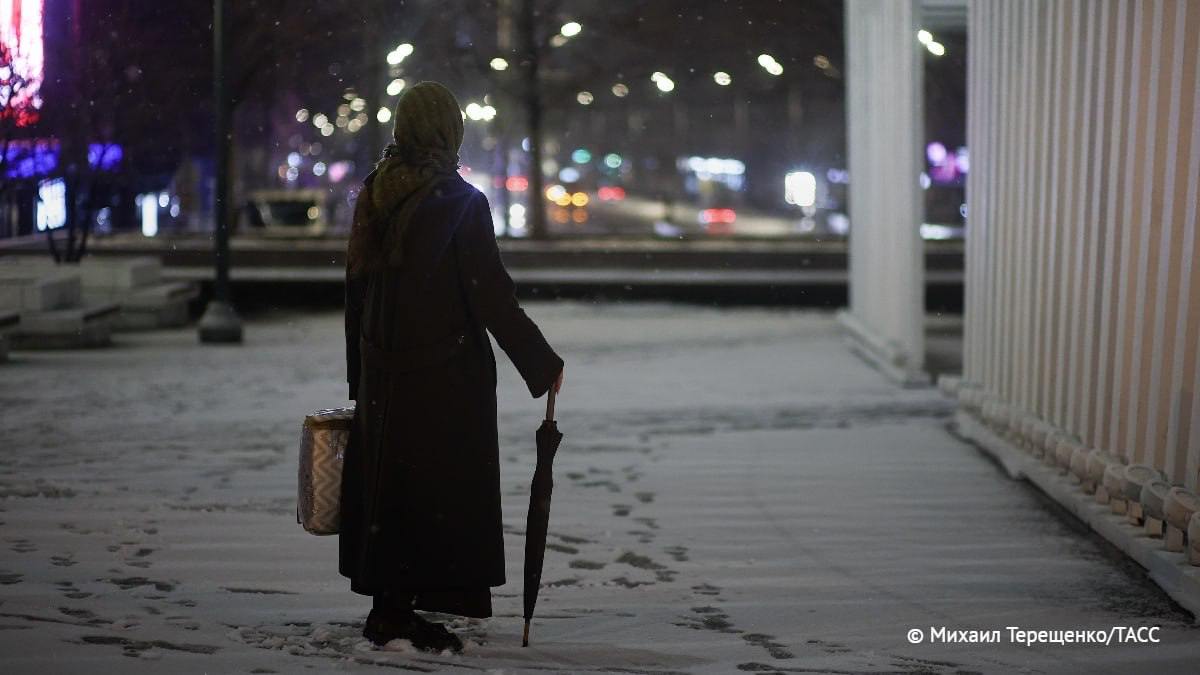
<point x="548" y="440"/>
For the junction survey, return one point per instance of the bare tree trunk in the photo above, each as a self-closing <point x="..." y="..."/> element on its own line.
<point x="536" y="210"/>
<point x="500" y="170"/>
<point x="88" y="211"/>
<point x="72" y="184"/>
<point x="53" y="246"/>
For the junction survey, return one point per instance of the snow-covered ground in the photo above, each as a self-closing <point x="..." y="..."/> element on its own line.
<point x="736" y="492"/>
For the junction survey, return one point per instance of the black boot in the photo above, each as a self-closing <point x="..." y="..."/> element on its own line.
<point x="392" y="618"/>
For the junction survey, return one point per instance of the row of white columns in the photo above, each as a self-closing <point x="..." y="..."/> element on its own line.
<point x="1082" y="306"/>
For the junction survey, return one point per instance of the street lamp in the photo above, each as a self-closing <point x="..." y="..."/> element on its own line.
<point x="220" y="323"/>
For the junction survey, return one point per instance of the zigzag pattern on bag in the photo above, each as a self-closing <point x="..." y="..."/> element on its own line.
<point x="322" y="450"/>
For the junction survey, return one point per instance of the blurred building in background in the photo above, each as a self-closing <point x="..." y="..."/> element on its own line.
<point x="82" y="126"/>
<point x="719" y="120"/>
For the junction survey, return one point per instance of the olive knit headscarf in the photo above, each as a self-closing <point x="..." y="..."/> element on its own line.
<point x="428" y="133"/>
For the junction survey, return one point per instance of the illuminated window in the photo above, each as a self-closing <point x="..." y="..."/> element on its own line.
<point x="51" y="210"/>
<point x="800" y="188"/>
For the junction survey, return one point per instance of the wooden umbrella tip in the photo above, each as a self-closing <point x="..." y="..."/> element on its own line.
<point x="525" y="636"/>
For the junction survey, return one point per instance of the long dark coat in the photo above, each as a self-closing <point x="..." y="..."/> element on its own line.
<point x="421" y="480"/>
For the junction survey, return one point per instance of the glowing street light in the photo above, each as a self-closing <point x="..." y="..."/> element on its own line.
<point x="664" y="83"/>
<point x="584" y="98"/>
<point x="400" y="53"/>
<point x="384" y="115"/>
<point x="770" y="65"/>
<point x="479" y="113"/>
<point x="722" y="78"/>
<point x="499" y="63"/>
<point x="395" y="87"/>
<point x="926" y="38"/>
<point x="570" y="29"/>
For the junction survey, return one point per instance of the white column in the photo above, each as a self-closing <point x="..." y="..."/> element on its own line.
<point x="883" y="82"/>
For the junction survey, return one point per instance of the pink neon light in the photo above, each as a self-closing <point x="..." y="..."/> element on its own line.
<point x="21" y="35"/>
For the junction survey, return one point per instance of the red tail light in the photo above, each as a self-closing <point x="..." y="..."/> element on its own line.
<point x="607" y="194"/>
<point x="723" y="216"/>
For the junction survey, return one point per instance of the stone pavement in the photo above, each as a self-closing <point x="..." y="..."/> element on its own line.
<point x="736" y="492"/>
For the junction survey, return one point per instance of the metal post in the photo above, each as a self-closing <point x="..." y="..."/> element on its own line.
<point x="220" y="323"/>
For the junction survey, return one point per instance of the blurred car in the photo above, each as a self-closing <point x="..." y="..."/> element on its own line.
<point x="287" y="213"/>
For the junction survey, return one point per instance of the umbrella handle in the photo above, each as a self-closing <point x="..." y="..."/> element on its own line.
<point x="525" y="635"/>
<point x="550" y="406"/>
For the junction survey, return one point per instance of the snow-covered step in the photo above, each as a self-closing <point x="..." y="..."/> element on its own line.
<point x="135" y="284"/>
<point x="85" y="326"/>
<point x="53" y="314"/>
<point x="161" y="305"/>
<point x="28" y="289"/>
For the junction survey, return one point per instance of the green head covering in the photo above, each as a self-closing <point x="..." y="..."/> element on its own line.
<point x="428" y="133"/>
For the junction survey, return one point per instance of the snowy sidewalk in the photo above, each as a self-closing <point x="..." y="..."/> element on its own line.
<point x="736" y="492"/>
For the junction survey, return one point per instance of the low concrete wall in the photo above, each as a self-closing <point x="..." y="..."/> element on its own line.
<point x="1169" y="570"/>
